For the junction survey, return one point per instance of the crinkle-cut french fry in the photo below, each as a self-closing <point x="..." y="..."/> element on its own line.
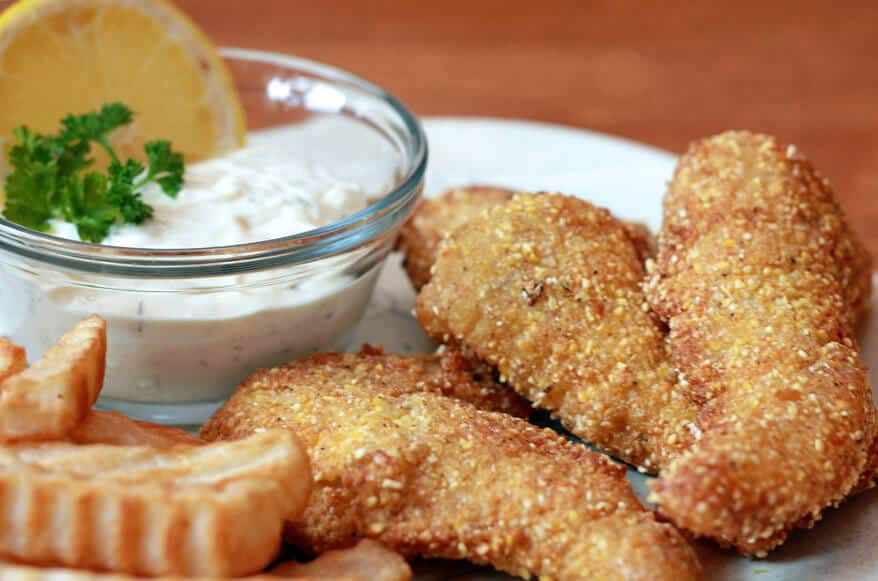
<point x="212" y="510"/>
<point x="50" y="398"/>
<point x="100" y="427"/>
<point x="13" y="572"/>
<point x="13" y="359"/>
<point x="368" y="560"/>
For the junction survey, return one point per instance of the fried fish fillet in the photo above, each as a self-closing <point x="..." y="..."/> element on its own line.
<point x="434" y="476"/>
<point x="448" y="372"/>
<point x="48" y="399"/>
<point x="435" y="218"/>
<point x="547" y="288"/>
<point x="100" y="427"/>
<point x="145" y="511"/>
<point x="761" y="281"/>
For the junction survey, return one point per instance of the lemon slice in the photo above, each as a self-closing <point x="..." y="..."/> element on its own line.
<point x="72" y="56"/>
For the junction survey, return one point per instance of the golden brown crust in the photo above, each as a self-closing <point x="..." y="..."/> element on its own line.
<point x="435" y="218"/>
<point x="644" y="241"/>
<point x="870" y="472"/>
<point x="100" y="427"/>
<point x="761" y="281"/>
<point x="366" y="561"/>
<point x="143" y="511"/>
<point x="431" y="475"/>
<point x="23" y="572"/>
<point x="13" y="359"/>
<point x="448" y="372"/>
<point x="547" y="288"/>
<point x="48" y="399"/>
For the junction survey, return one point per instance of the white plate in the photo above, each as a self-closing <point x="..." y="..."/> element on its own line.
<point x="629" y="179"/>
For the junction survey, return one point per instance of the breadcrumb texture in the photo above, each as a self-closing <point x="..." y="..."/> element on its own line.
<point x="435" y="218"/>
<point x="434" y="476"/>
<point x="548" y="288"/>
<point x="761" y="282"/>
<point x="449" y="372"/>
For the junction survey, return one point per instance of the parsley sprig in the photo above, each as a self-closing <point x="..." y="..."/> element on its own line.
<point x="51" y="179"/>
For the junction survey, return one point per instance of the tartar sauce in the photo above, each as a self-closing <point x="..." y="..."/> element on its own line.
<point x="190" y="341"/>
<point x="257" y="193"/>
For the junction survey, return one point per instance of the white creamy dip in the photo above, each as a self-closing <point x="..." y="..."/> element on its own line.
<point x="191" y="341"/>
<point x="257" y="193"/>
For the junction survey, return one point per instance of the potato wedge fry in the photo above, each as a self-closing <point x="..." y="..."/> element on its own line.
<point x="268" y="457"/>
<point x="113" y="428"/>
<point x="13" y="572"/>
<point x="188" y="510"/>
<point x="10" y="572"/>
<point x="47" y="400"/>
<point x="368" y="560"/>
<point x="13" y="359"/>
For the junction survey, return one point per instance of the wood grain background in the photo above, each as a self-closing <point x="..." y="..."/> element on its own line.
<point x="659" y="72"/>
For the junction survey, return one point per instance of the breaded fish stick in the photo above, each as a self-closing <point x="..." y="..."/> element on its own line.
<point x="436" y="218"/>
<point x="547" y="288"/>
<point x="761" y="280"/>
<point x="434" y="476"/>
<point x="448" y="372"/>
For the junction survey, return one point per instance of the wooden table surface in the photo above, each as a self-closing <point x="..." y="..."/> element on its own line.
<point x="663" y="73"/>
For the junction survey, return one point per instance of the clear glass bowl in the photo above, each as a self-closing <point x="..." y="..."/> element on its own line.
<point x="186" y="326"/>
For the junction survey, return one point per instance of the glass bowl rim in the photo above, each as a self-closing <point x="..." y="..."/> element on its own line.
<point x="334" y="239"/>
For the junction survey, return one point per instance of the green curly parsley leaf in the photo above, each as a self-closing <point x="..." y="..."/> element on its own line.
<point x="165" y="167"/>
<point x="49" y="178"/>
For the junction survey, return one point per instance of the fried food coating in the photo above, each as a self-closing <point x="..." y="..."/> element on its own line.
<point x="434" y="476"/>
<point x="448" y="372"/>
<point x="435" y="218"/>
<point x="645" y="242"/>
<point x="547" y="288"/>
<point x="761" y="281"/>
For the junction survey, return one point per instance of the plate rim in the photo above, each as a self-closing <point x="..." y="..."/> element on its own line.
<point x="572" y="130"/>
